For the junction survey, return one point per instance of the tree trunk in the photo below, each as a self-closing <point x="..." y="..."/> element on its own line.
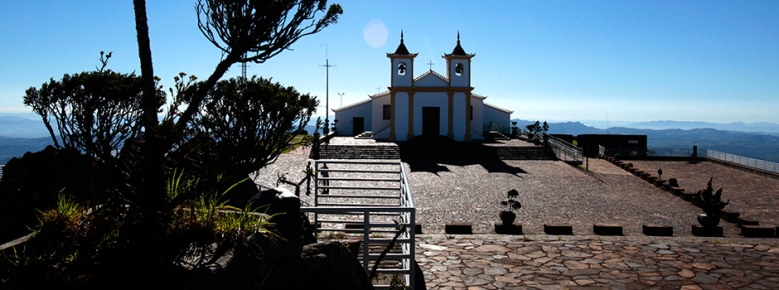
<point x="151" y="195"/>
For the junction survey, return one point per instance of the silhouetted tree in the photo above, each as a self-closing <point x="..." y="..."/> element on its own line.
<point x="249" y="123"/>
<point x="94" y="112"/>
<point x="244" y="31"/>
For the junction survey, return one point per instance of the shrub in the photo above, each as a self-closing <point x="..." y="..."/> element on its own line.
<point x="709" y="201"/>
<point x="94" y="112"/>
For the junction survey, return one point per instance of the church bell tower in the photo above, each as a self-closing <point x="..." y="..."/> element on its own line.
<point x="402" y="65"/>
<point x="458" y="66"/>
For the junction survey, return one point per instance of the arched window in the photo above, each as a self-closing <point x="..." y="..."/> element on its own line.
<point x="402" y="68"/>
<point x="458" y="69"/>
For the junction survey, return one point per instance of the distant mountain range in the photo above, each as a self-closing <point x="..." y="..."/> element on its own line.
<point x="761" y="127"/>
<point x="756" y="145"/>
<point x="20" y="133"/>
<point x="22" y="127"/>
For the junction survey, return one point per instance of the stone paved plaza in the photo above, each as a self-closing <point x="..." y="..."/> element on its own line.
<point x="555" y="192"/>
<point x="577" y="262"/>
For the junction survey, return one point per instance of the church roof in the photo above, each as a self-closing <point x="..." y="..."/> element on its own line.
<point x="458" y="50"/>
<point x="384" y="93"/>
<point x="401" y="50"/>
<point x="478" y="96"/>
<point x="499" y="108"/>
<point x="351" y="106"/>
<point x="431" y="72"/>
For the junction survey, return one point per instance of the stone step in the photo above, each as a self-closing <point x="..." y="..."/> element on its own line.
<point x="558" y="229"/>
<point x="607" y="229"/>
<point x="758" y="231"/>
<point x="658" y="230"/>
<point x="706" y="232"/>
<point x="512" y="229"/>
<point x="463" y="151"/>
<point x="459" y="228"/>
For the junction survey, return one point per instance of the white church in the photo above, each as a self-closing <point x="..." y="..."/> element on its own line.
<point x="428" y="105"/>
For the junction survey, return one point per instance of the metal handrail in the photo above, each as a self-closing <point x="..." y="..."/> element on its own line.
<point x="404" y="210"/>
<point x="561" y="147"/>
<point x="380" y="131"/>
<point x="669" y="152"/>
<point x="745" y="161"/>
<point x="505" y="129"/>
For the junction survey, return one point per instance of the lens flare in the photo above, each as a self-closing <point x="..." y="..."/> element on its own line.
<point x="375" y="34"/>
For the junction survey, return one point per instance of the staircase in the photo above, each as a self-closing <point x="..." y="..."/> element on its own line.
<point x="495" y="135"/>
<point x="471" y="151"/>
<point x="357" y="152"/>
<point x="523" y="153"/>
<point x="364" y="135"/>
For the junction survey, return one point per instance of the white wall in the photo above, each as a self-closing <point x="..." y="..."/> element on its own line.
<point x="345" y="117"/>
<point x="462" y="80"/>
<point x="431" y="81"/>
<point x="496" y="116"/>
<point x="401" y="116"/>
<point x="378" y="123"/>
<point x="404" y="80"/>
<point x="460" y="116"/>
<point x="431" y="99"/>
<point x="477" y="124"/>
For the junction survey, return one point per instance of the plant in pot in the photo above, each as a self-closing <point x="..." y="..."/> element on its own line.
<point x="507" y="216"/>
<point x="712" y="205"/>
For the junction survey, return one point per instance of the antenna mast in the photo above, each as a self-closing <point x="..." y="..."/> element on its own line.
<point x="243" y="66"/>
<point x="327" y="66"/>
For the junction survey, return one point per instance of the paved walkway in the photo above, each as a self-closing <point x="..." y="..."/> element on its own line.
<point x="592" y="262"/>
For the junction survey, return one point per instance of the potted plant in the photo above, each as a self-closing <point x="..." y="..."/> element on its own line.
<point x="514" y="129"/>
<point x="507" y="216"/>
<point x="712" y="205"/>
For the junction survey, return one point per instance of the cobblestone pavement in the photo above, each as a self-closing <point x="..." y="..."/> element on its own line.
<point x="581" y="262"/>
<point x="554" y="192"/>
<point x="754" y="196"/>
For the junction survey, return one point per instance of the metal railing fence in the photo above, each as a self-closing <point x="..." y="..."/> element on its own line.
<point x="368" y="198"/>
<point x="667" y="152"/>
<point x="504" y="129"/>
<point x="681" y="152"/>
<point x="745" y="161"/>
<point x="562" y="148"/>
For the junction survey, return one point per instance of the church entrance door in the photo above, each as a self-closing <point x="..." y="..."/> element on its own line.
<point x="431" y="121"/>
<point x="358" y="125"/>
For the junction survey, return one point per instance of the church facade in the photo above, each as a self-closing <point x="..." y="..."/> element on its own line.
<point x="428" y="105"/>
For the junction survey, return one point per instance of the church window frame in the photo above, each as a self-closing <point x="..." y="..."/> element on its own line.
<point x="459" y="69"/>
<point x="402" y="68"/>
<point x="387" y="112"/>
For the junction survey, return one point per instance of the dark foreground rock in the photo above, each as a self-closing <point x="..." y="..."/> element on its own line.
<point x="321" y="266"/>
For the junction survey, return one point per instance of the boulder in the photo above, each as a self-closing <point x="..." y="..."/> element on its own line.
<point x="321" y="266"/>
<point x="284" y="207"/>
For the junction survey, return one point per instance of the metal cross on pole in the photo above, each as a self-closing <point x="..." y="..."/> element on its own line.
<point x="327" y="66"/>
<point x="430" y="63"/>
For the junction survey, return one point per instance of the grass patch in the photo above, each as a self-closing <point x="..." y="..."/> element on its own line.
<point x="298" y="141"/>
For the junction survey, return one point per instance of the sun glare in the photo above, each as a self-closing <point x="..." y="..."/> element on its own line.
<point x="375" y="34"/>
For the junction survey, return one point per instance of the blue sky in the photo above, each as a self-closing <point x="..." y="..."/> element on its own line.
<point x="712" y="61"/>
